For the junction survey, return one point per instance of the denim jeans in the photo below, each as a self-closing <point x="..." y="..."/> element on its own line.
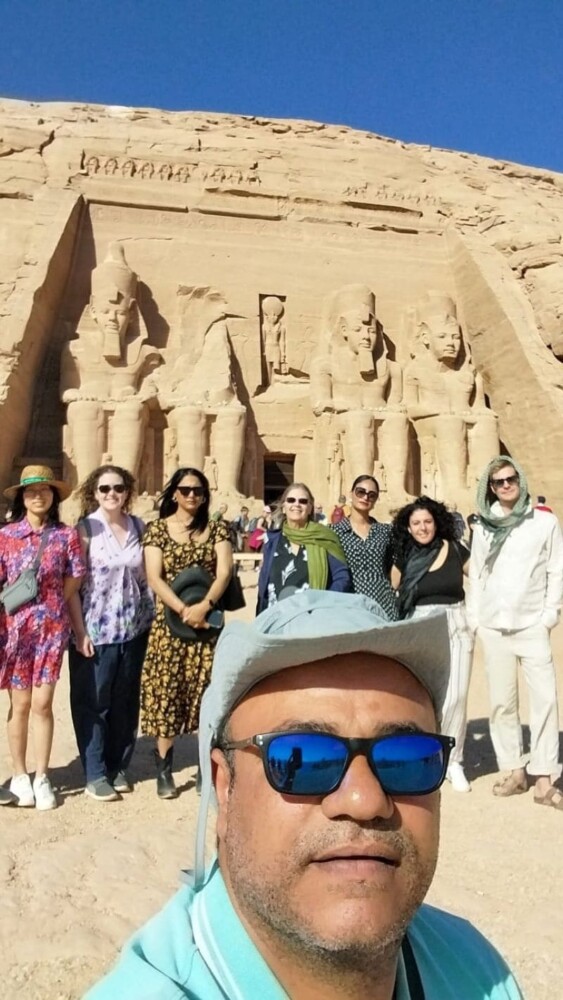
<point x="104" y="701"/>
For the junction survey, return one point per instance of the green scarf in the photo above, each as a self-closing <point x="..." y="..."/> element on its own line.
<point x="319" y="542"/>
<point x="500" y="527"/>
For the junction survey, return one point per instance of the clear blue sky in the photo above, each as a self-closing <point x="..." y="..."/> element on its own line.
<point x="478" y="75"/>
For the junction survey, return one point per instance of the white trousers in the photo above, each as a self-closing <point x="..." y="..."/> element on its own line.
<point x="454" y="712"/>
<point x="503" y="651"/>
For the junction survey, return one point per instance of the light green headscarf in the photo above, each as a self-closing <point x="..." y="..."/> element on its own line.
<point x="500" y="527"/>
<point x="319" y="541"/>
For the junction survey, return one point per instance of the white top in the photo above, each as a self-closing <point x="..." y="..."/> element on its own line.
<point x="524" y="587"/>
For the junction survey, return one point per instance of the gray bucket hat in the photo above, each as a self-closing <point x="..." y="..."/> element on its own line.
<point x="310" y="626"/>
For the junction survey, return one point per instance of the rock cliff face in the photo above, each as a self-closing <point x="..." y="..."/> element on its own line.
<point x="274" y="299"/>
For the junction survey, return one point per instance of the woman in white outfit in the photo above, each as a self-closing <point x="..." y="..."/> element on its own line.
<point x="428" y="573"/>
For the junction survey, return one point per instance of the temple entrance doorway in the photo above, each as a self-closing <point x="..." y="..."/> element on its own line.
<point x="278" y="473"/>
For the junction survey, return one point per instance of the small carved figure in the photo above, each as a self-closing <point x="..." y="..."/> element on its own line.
<point x="356" y="392"/>
<point x="146" y="170"/>
<point x="273" y="335"/>
<point x="103" y="372"/>
<point x="92" y="165"/>
<point x="445" y="400"/>
<point x="110" y="166"/>
<point x="127" y="168"/>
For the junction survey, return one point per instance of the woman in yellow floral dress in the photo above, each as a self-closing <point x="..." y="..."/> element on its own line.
<point x="176" y="672"/>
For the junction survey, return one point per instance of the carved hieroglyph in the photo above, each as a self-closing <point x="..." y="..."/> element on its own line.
<point x="289" y="369"/>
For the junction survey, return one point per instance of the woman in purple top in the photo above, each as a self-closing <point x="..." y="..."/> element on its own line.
<point x="111" y="620"/>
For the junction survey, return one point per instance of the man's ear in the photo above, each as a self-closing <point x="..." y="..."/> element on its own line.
<point x="222" y="781"/>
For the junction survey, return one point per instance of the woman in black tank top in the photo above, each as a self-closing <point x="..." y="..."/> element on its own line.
<point x="428" y="575"/>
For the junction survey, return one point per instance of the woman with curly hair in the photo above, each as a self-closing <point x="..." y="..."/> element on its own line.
<point x="111" y="621"/>
<point x="428" y="573"/>
<point x="177" y="671"/>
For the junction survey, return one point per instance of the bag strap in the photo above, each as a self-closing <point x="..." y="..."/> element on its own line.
<point x="416" y="989"/>
<point x="44" y="538"/>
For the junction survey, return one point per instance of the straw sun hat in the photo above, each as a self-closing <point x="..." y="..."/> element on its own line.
<point x="31" y="475"/>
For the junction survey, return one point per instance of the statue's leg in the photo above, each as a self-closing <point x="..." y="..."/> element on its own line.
<point x="393" y="440"/>
<point x="188" y="424"/>
<point x="483" y="445"/>
<point x="228" y="447"/>
<point x="359" y="444"/>
<point x="85" y="436"/>
<point x="451" y="448"/>
<point x="325" y="445"/>
<point x="128" y="434"/>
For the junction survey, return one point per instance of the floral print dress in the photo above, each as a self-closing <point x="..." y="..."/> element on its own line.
<point x="35" y="637"/>
<point x="176" y="673"/>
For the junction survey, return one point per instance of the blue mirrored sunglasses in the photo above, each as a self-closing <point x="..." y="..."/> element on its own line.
<point x="314" y="764"/>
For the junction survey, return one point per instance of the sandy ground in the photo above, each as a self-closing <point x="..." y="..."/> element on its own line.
<point x="79" y="880"/>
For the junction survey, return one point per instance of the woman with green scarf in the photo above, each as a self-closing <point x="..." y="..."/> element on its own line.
<point x="300" y="554"/>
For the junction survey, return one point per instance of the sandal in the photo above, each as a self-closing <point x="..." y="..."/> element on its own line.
<point x="511" y="784"/>
<point x="553" y="797"/>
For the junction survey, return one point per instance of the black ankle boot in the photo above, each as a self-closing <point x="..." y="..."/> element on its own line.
<point x="165" y="787"/>
<point x="198" y="780"/>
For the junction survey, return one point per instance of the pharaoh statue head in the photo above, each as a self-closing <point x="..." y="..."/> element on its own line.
<point x="351" y="320"/>
<point x="437" y="328"/>
<point x="112" y="301"/>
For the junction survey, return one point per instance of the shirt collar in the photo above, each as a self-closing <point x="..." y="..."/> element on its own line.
<point x="22" y="529"/>
<point x="225" y="946"/>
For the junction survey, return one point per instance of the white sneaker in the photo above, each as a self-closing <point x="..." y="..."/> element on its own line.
<point x="456" y="776"/>
<point x="20" y="786"/>
<point x="44" y="794"/>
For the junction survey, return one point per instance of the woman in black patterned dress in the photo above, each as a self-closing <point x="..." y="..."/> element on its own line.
<point x="176" y="672"/>
<point x="367" y="546"/>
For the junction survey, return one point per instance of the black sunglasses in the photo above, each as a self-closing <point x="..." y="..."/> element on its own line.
<point x="363" y="494"/>
<point x="301" y="500"/>
<point x="185" y="491"/>
<point x="505" y="481"/>
<point x="314" y="764"/>
<point x="115" y="488"/>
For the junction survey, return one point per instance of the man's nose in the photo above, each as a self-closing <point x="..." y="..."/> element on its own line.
<point x="359" y="795"/>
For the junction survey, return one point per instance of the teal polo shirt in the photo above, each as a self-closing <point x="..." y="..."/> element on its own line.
<point x="196" y="947"/>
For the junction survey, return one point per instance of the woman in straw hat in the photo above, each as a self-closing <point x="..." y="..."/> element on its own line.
<point x="35" y="635"/>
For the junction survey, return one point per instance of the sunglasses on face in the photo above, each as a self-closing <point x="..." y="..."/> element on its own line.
<point x="185" y="491"/>
<point x="505" y="481"/>
<point x="363" y="494"/>
<point x="314" y="764"/>
<point x="302" y="500"/>
<point x="113" y="488"/>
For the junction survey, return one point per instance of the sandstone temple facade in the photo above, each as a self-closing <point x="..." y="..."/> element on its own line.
<point x="270" y="300"/>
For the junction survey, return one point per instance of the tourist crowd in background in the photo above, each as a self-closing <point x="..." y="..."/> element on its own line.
<point x="140" y="607"/>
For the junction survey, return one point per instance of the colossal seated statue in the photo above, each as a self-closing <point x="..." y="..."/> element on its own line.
<point x="104" y="373"/>
<point x="356" y="393"/>
<point x="456" y="431"/>
<point x="206" y="421"/>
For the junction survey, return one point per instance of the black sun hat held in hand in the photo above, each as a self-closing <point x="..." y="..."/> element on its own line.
<point x="191" y="586"/>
